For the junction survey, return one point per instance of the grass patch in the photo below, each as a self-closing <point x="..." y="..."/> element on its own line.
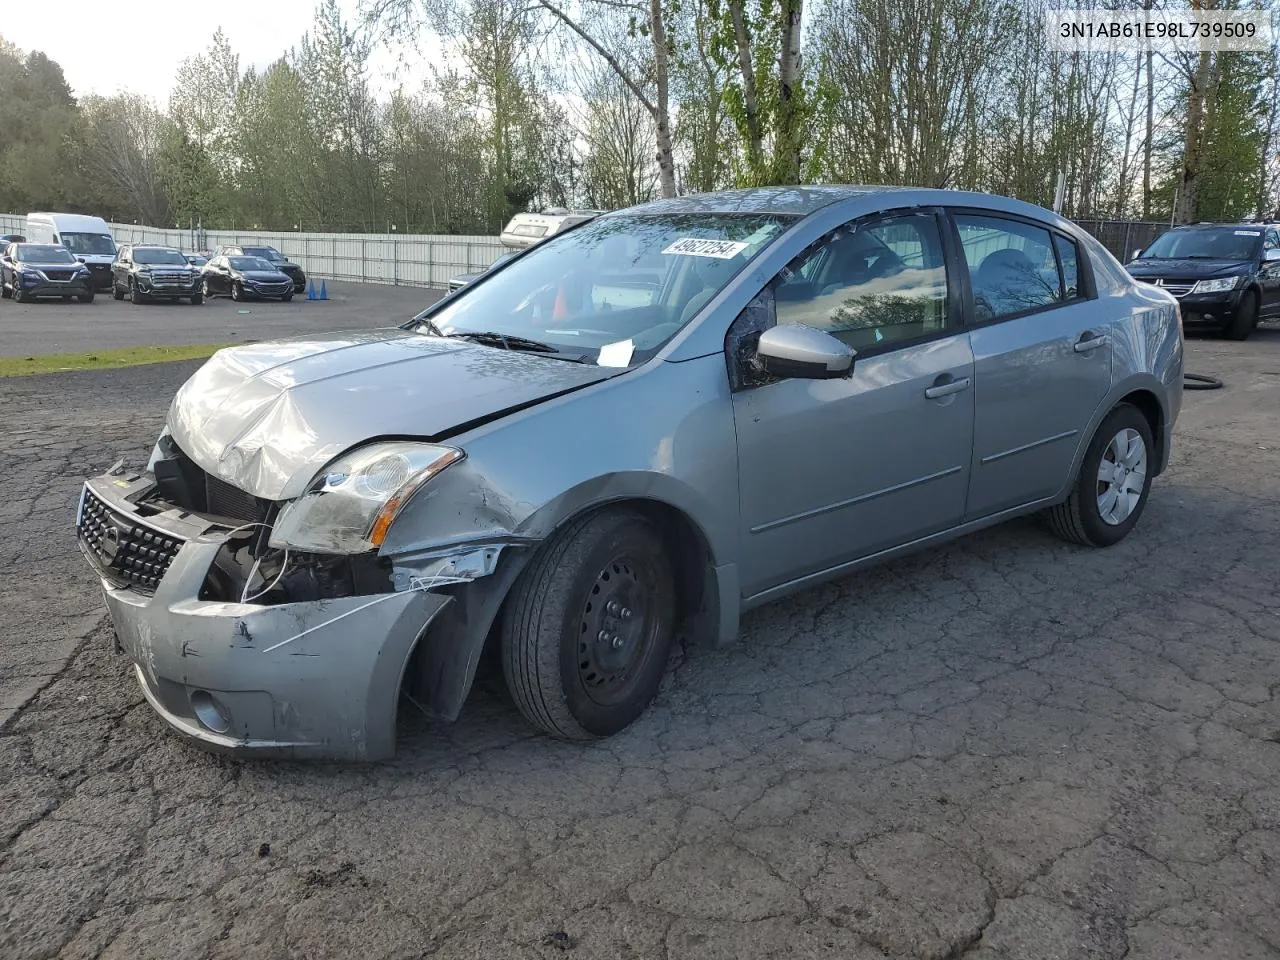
<point x="104" y="359"/>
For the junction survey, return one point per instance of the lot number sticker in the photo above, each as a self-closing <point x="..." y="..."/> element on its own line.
<point x="696" y="247"/>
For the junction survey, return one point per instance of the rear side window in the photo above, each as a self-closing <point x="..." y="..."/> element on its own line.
<point x="1069" y="257"/>
<point x="1012" y="266"/>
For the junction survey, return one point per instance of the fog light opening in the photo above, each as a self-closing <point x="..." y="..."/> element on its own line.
<point x="210" y="711"/>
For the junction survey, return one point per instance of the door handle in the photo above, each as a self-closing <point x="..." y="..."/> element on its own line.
<point x="1090" y="341"/>
<point x="946" y="389"/>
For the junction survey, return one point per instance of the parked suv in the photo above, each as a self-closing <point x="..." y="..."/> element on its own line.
<point x="1226" y="277"/>
<point x="273" y="257"/>
<point x="149" y="273"/>
<point x="29" y="271"/>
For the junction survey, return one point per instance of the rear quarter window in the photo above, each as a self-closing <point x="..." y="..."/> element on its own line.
<point x="1108" y="275"/>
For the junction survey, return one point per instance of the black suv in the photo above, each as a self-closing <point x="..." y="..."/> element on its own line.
<point x="29" y="271"/>
<point x="1226" y="277"/>
<point x="149" y="273"/>
<point x="273" y="257"/>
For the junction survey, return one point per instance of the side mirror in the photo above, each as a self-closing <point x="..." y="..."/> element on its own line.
<point x="1271" y="256"/>
<point x="1136" y="254"/>
<point x="794" y="350"/>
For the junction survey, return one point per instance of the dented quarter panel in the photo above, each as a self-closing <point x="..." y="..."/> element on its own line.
<point x="663" y="433"/>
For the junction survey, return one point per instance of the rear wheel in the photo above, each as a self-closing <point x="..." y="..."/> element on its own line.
<point x="1115" y="479"/>
<point x="1245" y="320"/>
<point x="588" y="628"/>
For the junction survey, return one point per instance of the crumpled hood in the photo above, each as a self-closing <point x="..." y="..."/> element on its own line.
<point x="267" y="416"/>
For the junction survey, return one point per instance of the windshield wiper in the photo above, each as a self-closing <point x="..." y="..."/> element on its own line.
<point x="491" y="338"/>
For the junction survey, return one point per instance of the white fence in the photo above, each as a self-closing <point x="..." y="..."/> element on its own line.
<point x="414" y="260"/>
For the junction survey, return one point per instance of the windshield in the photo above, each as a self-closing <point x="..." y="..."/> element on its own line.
<point x="153" y="255"/>
<point x="252" y="263"/>
<point x="1206" y="243"/>
<point x="625" y="283"/>
<point x="270" y="254"/>
<point x="44" y="253"/>
<point x="89" y="243"/>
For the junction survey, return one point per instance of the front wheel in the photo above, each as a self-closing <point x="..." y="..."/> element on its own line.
<point x="18" y="295"/>
<point x="197" y="299"/>
<point x="117" y="292"/>
<point x="1115" y="479"/>
<point x="1245" y="320"/>
<point x="237" y="292"/>
<point x="86" y="297"/>
<point x="136" y="295"/>
<point x="286" y="298"/>
<point x="588" y="628"/>
<point x="204" y="289"/>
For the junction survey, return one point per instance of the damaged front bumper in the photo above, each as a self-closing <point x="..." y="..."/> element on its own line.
<point x="318" y="678"/>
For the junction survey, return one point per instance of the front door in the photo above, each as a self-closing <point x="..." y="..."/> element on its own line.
<point x="834" y="470"/>
<point x="1042" y="358"/>
<point x="1269" y="275"/>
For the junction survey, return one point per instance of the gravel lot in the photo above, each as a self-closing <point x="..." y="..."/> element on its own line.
<point x="1009" y="748"/>
<point x="51" y="326"/>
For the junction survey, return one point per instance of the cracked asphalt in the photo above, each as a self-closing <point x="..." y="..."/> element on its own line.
<point x="1006" y="748"/>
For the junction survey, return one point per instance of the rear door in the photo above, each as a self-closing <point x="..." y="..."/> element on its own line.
<point x="1042" y="356"/>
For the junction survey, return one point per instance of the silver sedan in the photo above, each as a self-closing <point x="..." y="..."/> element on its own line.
<point x="631" y="432"/>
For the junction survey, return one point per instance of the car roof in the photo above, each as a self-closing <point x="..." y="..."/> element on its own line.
<point x="805" y="200"/>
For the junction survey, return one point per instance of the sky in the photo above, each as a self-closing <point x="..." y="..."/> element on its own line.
<point x="103" y="51"/>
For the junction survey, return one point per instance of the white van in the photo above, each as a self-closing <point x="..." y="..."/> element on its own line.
<point x="526" y="229"/>
<point x="88" y="238"/>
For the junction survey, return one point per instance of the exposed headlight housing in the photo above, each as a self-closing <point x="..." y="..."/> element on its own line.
<point x="1221" y="285"/>
<point x="349" y="506"/>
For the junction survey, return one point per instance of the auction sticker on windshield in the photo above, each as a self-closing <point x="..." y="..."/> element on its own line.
<point x="698" y="247"/>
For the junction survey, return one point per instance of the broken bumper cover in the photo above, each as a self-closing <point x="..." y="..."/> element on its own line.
<point x="314" y="679"/>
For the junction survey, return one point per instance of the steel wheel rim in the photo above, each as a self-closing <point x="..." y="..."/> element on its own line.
<point x="1122" y="476"/>
<point x="617" y="629"/>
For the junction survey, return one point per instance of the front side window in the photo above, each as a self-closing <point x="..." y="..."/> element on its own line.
<point x="1012" y="266"/>
<point x="89" y="244"/>
<point x="625" y="283"/>
<point x="870" y="283"/>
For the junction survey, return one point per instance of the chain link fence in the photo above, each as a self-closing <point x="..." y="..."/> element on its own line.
<point x="420" y="260"/>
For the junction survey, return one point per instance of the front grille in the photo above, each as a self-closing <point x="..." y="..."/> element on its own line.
<point x="128" y="551"/>
<point x="273" y="287"/>
<point x="62" y="276"/>
<point x="1179" y="288"/>
<point x="231" y="502"/>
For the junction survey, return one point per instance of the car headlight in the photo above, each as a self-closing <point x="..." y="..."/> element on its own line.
<point x="352" y="502"/>
<point x="1216" y="286"/>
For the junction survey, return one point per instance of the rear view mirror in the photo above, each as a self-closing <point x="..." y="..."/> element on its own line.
<point x="794" y="350"/>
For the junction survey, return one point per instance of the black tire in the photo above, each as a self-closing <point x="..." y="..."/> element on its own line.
<point x="18" y="295"/>
<point x="4" y="291"/>
<point x="204" y="289"/>
<point x="605" y="577"/>
<point x="1078" y="519"/>
<point x="237" y="291"/>
<point x="86" y="297"/>
<point x="136" y="295"/>
<point x="116" y="292"/>
<point x="1246" y="318"/>
<point x="197" y="299"/>
<point x="66" y="298"/>
<point x="286" y="298"/>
